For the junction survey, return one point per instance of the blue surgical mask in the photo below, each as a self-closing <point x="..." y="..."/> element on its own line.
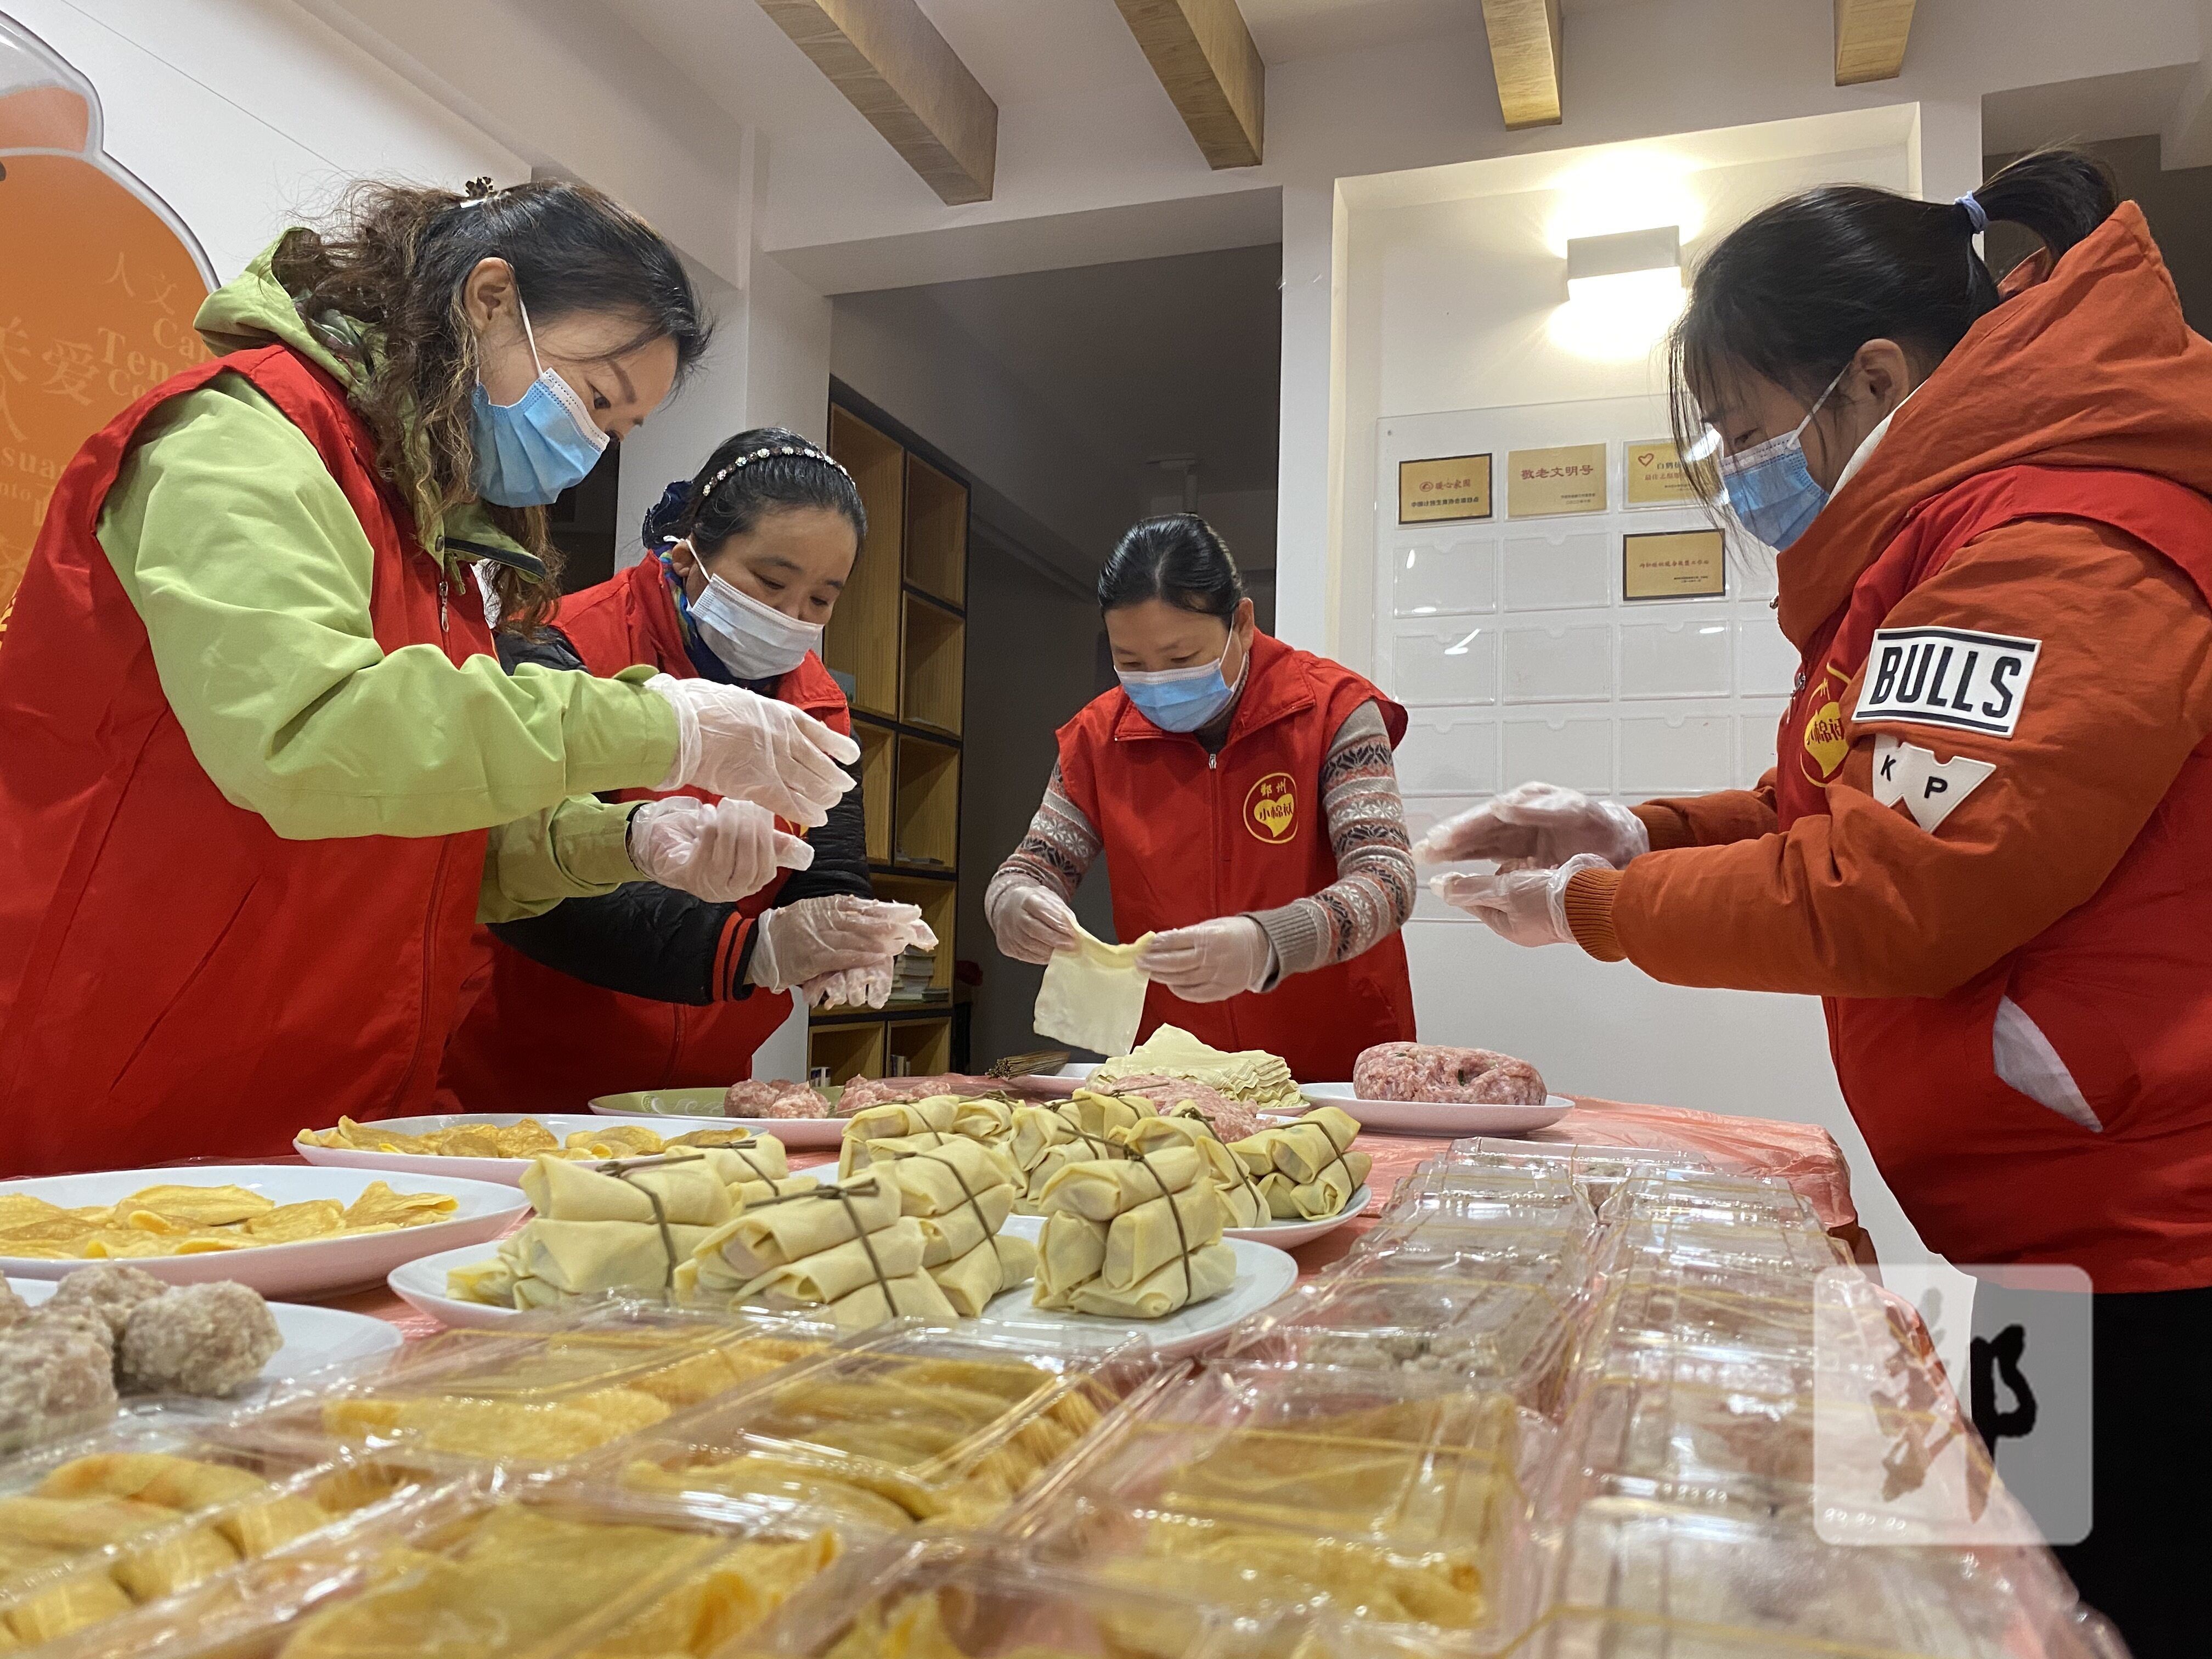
<point x="543" y="442"/>
<point x="754" y="641"/>
<point x="1770" y="489"/>
<point x="1184" y="699"/>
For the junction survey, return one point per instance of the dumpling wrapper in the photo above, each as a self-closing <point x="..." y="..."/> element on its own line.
<point x="204" y="1207"/>
<point x="917" y="1296"/>
<point x="895" y="1119"/>
<point x="379" y="1205"/>
<point x="1316" y="1201"/>
<point x="491" y="1283"/>
<point x="992" y="1268"/>
<point x="1213" y="1270"/>
<point x="691" y="1194"/>
<point x="184" y="1484"/>
<point x="1100" y="1188"/>
<point x="1070" y="1252"/>
<point x="316" y="1218"/>
<point x="935" y="1180"/>
<point x="1304" y="1149"/>
<point x="1107" y="1116"/>
<point x="577" y="1258"/>
<point x="1141" y="1241"/>
<point x="760" y="1192"/>
<point x="1243" y="1204"/>
<point x="1093" y="996"/>
<point x="708" y="1611"/>
<point x="983" y="1120"/>
<point x="1037" y="1130"/>
<point x="776" y="1234"/>
<point x="893" y="1253"/>
<point x="1248" y="1074"/>
<point x="616" y="1140"/>
<point x="946" y="1236"/>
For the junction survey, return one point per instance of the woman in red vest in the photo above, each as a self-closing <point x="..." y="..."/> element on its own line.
<point x="1243" y="794"/>
<point x="650" y="987"/>
<point x="262" y="770"/>
<point x="1987" y="838"/>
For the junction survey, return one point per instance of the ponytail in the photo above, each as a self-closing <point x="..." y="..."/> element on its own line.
<point x="1793" y="292"/>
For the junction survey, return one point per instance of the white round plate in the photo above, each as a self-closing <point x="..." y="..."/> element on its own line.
<point x="1263" y="1275"/>
<point x="507" y="1171"/>
<point x="314" y="1266"/>
<point x="1438" y="1117"/>
<point x="1289" y="1234"/>
<point x="691" y="1104"/>
<point x="315" y="1339"/>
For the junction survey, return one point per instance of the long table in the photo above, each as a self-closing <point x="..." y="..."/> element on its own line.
<point x="1803" y="1154"/>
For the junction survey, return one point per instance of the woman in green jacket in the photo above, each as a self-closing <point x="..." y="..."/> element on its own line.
<point x="264" y="772"/>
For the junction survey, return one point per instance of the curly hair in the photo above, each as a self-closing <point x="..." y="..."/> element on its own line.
<point x="379" y="284"/>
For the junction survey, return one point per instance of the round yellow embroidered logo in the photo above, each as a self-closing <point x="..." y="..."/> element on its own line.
<point x="1825" y="746"/>
<point x="1271" y="810"/>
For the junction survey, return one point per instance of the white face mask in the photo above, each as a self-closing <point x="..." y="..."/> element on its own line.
<point x="754" y="641"/>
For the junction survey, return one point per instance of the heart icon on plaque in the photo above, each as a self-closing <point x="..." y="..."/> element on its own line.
<point x="1645" y="458"/>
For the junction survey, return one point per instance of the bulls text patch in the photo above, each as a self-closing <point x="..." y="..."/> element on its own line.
<point x="1946" y="677"/>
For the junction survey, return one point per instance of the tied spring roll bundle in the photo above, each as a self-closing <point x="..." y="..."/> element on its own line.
<point x="960" y="1194"/>
<point x="1045" y="1141"/>
<point x="1243" y="1203"/>
<point x="1136" y="1237"/>
<point x="846" y="1249"/>
<point x="1306" y="1170"/>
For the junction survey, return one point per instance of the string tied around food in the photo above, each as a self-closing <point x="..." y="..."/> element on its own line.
<point x="965" y="1191"/>
<point x="1182" y="1237"/>
<point x="621" y="1168"/>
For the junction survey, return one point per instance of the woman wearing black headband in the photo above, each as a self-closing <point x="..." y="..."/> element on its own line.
<point x="650" y="988"/>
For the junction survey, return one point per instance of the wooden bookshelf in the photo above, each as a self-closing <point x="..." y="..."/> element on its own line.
<point x="900" y="632"/>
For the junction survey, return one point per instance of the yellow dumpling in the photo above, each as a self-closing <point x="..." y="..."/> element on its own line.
<point x="204" y="1207"/>
<point x="176" y="1562"/>
<point x="177" y="1483"/>
<point x="85" y="1600"/>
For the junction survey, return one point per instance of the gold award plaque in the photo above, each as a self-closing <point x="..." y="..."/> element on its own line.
<point x="1679" y="564"/>
<point x="1444" y="489"/>
<point x="1543" y="481"/>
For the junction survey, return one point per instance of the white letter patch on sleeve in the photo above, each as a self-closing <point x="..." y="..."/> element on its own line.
<point x="1929" y="787"/>
<point x="1948" y="677"/>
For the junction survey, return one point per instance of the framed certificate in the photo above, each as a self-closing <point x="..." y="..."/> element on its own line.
<point x="1655" y="475"/>
<point x="1675" y="564"/>
<point x="1444" y="488"/>
<point x="1542" y="483"/>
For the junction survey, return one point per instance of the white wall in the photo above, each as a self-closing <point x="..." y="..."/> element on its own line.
<point x="244" y="115"/>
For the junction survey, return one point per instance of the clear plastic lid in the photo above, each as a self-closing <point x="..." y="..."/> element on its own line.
<point x="1672" y="1304"/>
<point x="1549" y="1198"/>
<point x="479" y="1569"/>
<point x="1443" y="1246"/>
<point x="1509" y="1328"/>
<point x="1598" y="1170"/>
<point x="549" y="1386"/>
<point x="1633" y="1577"/>
<point x="906" y="1426"/>
<point x="1754" y="1245"/>
<point x="983" y="1598"/>
<point x="92" y="1528"/>
<point x="1367" y="1494"/>
<point x="1699" y="1196"/>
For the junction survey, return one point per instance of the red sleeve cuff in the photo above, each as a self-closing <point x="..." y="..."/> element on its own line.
<point x="1667" y="828"/>
<point x="731" y="956"/>
<point x="1588" y="902"/>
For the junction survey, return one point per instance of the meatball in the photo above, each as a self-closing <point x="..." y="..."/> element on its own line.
<point x="111" y="1290"/>
<point x="13" y="1310"/>
<point x="54" y="1382"/>
<point x="199" y="1339"/>
<point x="55" y="1315"/>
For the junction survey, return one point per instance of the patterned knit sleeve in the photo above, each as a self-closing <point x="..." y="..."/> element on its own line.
<point x="1059" y="846"/>
<point x="1373" y="892"/>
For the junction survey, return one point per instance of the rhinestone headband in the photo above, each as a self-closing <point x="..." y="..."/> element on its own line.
<point x="738" y="465"/>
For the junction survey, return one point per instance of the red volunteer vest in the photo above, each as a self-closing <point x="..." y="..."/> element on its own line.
<point x="538" y="1041"/>
<point x="176" y="980"/>
<point x="1189" y="836"/>
<point x="2121" y="986"/>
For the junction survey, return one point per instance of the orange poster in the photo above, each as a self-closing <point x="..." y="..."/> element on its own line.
<point x="98" y="283"/>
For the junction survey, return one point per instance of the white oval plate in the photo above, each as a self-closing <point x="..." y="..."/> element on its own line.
<point x="507" y="1171"/>
<point x="1263" y="1275"/>
<point x="315" y="1339"/>
<point x="1438" y="1117"/>
<point x="791" y="1131"/>
<point x="1289" y="1234"/>
<point x="313" y="1266"/>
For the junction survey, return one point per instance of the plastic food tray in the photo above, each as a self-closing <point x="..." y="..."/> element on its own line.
<point x="1476" y="1249"/>
<point x="1632" y="1577"/>
<point x="1753" y="1246"/>
<point x="547" y="1387"/>
<point x="1717" y="1198"/>
<point x="985" y="1599"/>
<point x="92" y="1528"/>
<point x="1508" y="1329"/>
<point x="1372" y="1494"/>
<point x="1598" y="1170"/>
<point x="1543" y="1198"/>
<point x="902" y="1425"/>
<point x="480" y="1568"/>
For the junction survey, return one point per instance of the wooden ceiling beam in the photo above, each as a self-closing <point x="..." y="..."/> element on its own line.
<point x="1870" y="36"/>
<point x="1524" y="50"/>
<point x="1205" y="58"/>
<point x="894" y="67"/>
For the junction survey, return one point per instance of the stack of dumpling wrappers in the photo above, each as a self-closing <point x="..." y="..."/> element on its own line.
<point x="1250" y="1074"/>
<point x="595" y="1231"/>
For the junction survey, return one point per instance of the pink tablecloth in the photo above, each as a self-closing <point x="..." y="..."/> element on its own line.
<point x="1805" y="1156"/>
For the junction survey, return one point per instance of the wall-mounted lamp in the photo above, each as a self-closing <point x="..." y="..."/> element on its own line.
<point x="1623" y="292"/>
<point x="1638" y="262"/>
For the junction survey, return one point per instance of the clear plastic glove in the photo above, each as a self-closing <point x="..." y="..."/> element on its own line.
<point x="1209" y="962"/>
<point x="1529" y="907"/>
<point x="732" y="742"/>
<point x="794" y="943"/>
<point x="721" y="852"/>
<point x="1030" y="922"/>
<point x="1536" y="826"/>
<point x="865" y="986"/>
